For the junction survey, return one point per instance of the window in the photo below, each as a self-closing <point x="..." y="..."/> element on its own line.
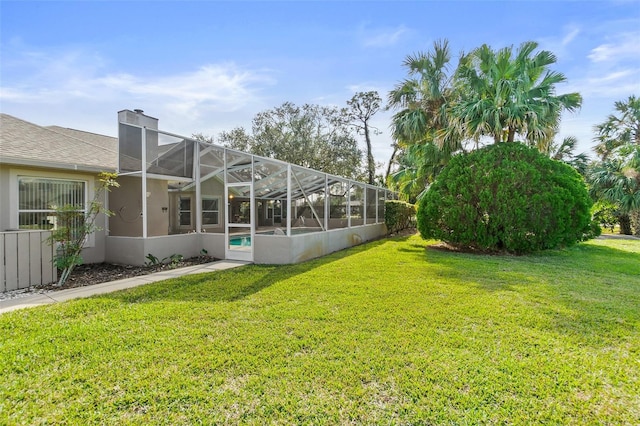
<point x="210" y="211"/>
<point x="184" y="211"/>
<point x="38" y="199"/>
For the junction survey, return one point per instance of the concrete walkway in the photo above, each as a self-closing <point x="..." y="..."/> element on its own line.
<point x="38" y="299"/>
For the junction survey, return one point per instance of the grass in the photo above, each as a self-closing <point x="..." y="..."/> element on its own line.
<point x="388" y="332"/>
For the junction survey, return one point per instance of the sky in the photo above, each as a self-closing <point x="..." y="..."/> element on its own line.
<point x="209" y="66"/>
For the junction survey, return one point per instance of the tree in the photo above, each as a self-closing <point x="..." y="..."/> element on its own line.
<point x="424" y="140"/>
<point x="507" y="94"/>
<point x="565" y="151"/>
<point x="619" y="130"/>
<point x="419" y="166"/>
<point x="422" y="100"/>
<point x="618" y="181"/>
<point x="362" y="107"/>
<point x="236" y="138"/>
<point x="616" y="177"/>
<point x="499" y="95"/>
<point x="506" y="197"/>
<point x="311" y="136"/>
<point x="74" y="226"/>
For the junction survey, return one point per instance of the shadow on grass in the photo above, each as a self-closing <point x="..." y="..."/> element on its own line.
<point x="588" y="291"/>
<point x="229" y="285"/>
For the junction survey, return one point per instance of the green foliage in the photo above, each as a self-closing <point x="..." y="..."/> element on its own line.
<point x="504" y="94"/>
<point x="407" y="335"/>
<point x="73" y="226"/>
<point x="616" y="177"/>
<point x="360" y="110"/>
<point x="506" y="197"/>
<point x="606" y="214"/>
<point x="399" y="215"/>
<point x="173" y="261"/>
<point x="312" y="136"/>
<point x="152" y="260"/>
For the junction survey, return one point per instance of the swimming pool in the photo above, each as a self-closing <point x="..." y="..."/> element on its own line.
<point x="244" y="240"/>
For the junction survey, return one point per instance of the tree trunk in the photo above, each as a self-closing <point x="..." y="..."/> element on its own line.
<point x="393" y="156"/>
<point x="635" y="222"/>
<point x="625" y="224"/>
<point x="371" y="165"/>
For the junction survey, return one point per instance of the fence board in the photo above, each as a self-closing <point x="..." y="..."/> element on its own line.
<point x="23" y="260"/>
<point x="3" y="285"/>
<point x="35" y="259"/>
<point x="11" y="261"/>
<point x="49" y="273"/>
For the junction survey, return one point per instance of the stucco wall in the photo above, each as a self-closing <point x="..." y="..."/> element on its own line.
<point x="268" y="249"/>
<point x="5" y="204"/>
<point x="133" y="250"/>
<point x="274" y="249"/>
<point x="126" y="203"/>
<point x="94" y="251"/>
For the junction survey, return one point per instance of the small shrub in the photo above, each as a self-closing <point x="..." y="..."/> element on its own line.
<point x="606" y="214"/>
<point x="74" y="226"/>
<point x="506" y="197"/>
<point x="399" y="215"/>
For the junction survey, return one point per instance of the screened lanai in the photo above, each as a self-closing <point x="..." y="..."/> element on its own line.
<point x="233" y="204"/>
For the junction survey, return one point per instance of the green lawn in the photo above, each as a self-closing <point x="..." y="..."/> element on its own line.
<point x="389" y="332"/>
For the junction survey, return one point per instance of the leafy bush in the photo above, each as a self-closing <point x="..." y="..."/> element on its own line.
<point x="606" y="214"/>
<point x="399" y="215"/>
<point x="506" y="197"/>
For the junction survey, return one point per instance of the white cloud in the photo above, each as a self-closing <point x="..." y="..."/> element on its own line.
<point x="569" y="37"/>
<point x="560" y="44"/>
<point x="384" y="37"/>
<point x="74" y="88"/>
<point x="624" y="46"/>
<point x="214" y="86"/>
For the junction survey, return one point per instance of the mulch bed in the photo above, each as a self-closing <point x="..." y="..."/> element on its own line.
<point x="95" y="273"/>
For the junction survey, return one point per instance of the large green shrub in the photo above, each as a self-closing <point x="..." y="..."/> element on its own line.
<point x="399" y="215"/>
<point x="506" y="197"/>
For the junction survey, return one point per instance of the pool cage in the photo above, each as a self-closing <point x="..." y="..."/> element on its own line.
<point x="232" y="204"/>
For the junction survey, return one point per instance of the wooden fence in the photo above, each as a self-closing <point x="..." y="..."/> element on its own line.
<point x="25" y="260"/>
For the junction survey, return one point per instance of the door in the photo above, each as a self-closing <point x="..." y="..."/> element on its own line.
<point x="239" y="220"/>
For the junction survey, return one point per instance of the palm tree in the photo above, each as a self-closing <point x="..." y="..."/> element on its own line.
<point x="616" y="177"/>
<point x="619" y="130"/>
<point x="419" y="165"/>
<point x="419" y="127"/>
<point x="423" y="99"/>
<point x="509" y="94"/>
<point x="564" y="151"/>
<point x="618" y="181"/>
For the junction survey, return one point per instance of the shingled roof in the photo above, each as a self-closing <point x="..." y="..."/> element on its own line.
<point x="25" y="143"/>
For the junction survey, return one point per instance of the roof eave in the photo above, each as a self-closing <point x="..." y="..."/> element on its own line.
<point x="55" y="165"/>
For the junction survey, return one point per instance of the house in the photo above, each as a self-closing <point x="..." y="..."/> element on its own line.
<point x="176" y="196"/>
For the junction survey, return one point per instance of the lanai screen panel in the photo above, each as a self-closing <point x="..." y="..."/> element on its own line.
<point x="381" y="200"/>
<point x="338" y="200"/>
<point x="270" y="192"/>
<point x="356" y="202"/>
<point x="372" y="198"/>
<point x="211" y="160"/>
<point x="307" y="199"/>
<point x="239" y="166"/>
<point x="270" y="179"/>
<point x="129" y="148"/>
<point x="212" y="187"/>
<point x="169" y="155"/>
